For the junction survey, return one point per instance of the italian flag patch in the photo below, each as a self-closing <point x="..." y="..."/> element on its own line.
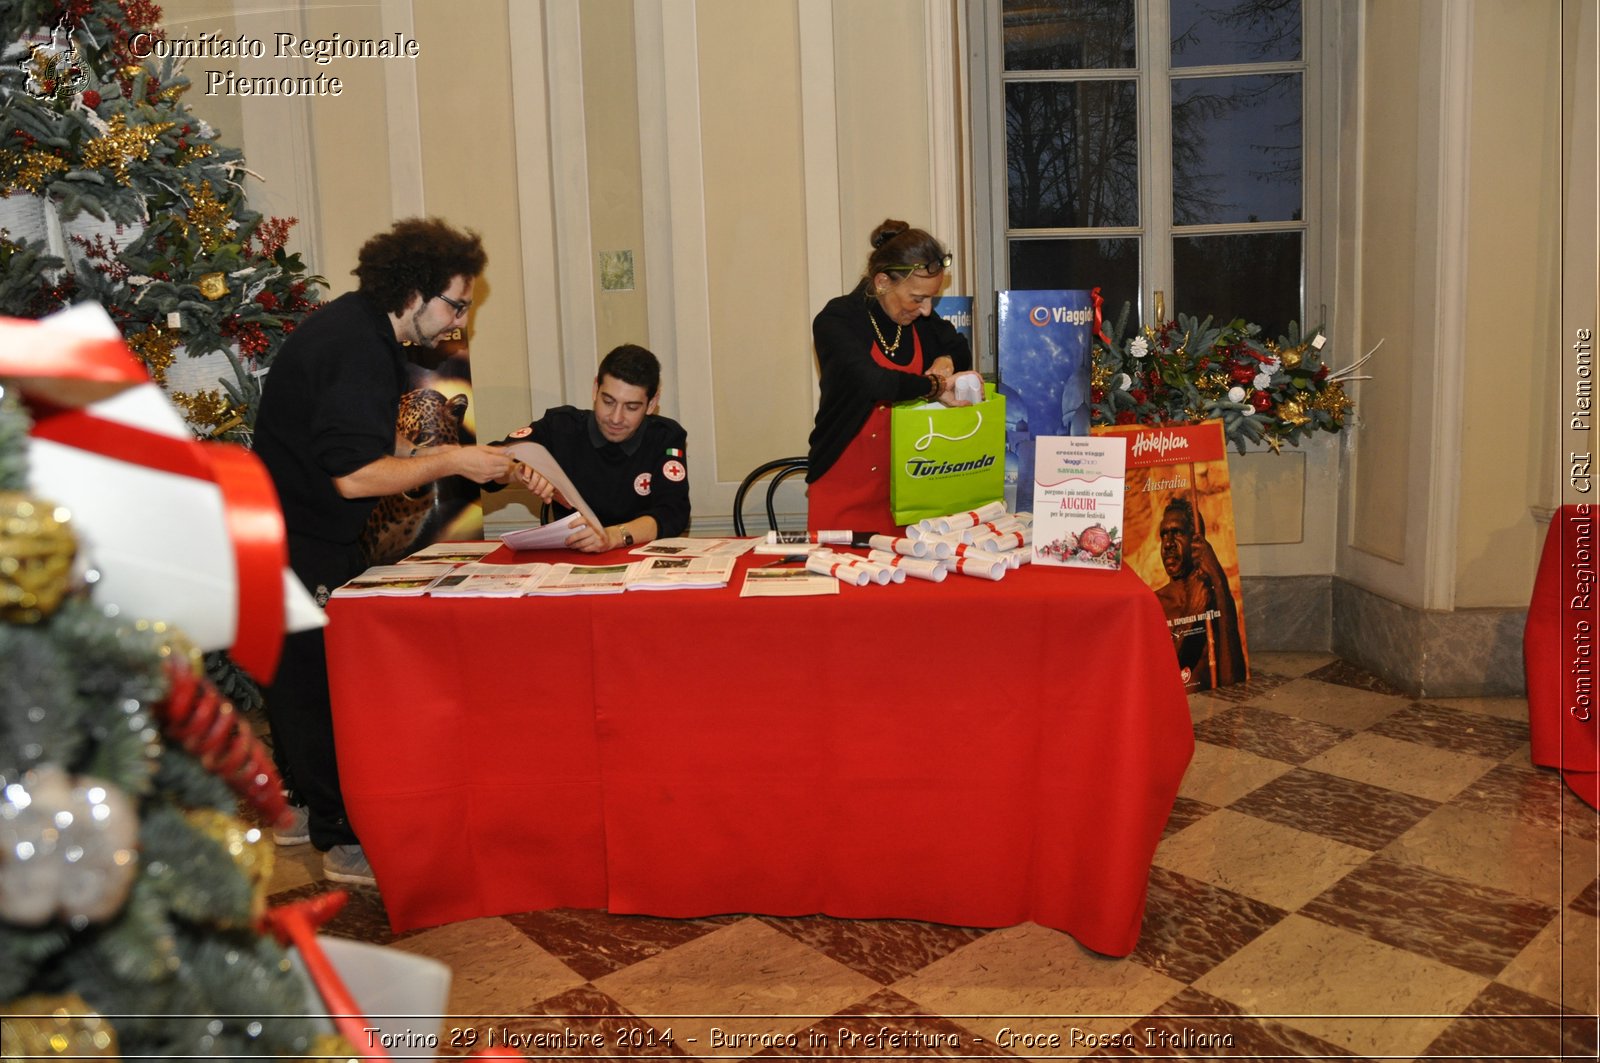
<point x="674" y="452"/>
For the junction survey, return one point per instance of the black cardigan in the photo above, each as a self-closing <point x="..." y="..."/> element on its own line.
<point x="852" y="383"/>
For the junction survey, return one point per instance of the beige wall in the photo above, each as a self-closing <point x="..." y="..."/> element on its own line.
<point x="1514" y="247"/>
<point x="760" y="325"/>
<point x="1388" y="226"/>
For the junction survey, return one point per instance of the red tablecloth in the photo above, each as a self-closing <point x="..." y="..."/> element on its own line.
<point x="1561" y="651"/>
<point x="969" y="752"/>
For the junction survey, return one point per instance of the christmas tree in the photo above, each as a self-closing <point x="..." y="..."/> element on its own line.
<point x="131" y="889"/>
<point x="111" y="189"/>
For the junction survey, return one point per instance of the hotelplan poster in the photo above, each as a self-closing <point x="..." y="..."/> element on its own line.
<point x="1178" y="536"/>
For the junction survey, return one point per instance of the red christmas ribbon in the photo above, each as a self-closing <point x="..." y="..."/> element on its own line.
<point x="250" y="504"/>
<point x="30" y="351"/>
<point x="1099" y="329"/>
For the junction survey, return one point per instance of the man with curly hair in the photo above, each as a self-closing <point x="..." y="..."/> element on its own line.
<point x="326" y="433"/>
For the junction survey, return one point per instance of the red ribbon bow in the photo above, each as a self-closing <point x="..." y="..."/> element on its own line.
<point x="61" y="372"/>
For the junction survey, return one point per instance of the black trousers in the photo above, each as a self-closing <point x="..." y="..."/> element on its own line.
<point x="298" y="707"/>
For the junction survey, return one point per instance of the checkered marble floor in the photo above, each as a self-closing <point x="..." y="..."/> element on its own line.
<point x="1348" y="872"/>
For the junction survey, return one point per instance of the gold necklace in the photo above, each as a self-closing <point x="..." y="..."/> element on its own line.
<point x="887" y="348"/>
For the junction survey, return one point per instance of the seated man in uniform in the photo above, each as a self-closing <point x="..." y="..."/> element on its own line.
<point x="626" y="460"/>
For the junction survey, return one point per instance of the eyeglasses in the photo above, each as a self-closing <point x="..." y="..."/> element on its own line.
<point x="925" y="267"/>
<point x="457" y="305"/>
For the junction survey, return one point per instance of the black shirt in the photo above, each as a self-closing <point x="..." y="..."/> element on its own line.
<point x="852" y="383"/>
<point x="646" y="475"/>
<point x="328" y="408"/>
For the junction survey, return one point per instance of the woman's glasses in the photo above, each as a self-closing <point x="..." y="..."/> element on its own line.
<point x="924" y="267"/>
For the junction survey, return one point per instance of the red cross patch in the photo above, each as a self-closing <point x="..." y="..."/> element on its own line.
<point x="641" y="484"/>
<point x="674" y="471"/>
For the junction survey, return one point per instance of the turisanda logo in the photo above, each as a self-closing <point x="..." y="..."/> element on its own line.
<point x="923" y="468"/>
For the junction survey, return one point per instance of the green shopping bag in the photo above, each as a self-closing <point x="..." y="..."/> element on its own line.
<point x="946" y="459"/>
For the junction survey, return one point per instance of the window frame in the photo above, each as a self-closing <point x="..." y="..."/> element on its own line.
<point x="1153" y="91"/>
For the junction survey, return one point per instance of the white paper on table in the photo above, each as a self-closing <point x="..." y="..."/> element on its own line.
<point x="584" y="579"/>
<point x="785" y="583"/>
<point x="450" y="553"/>
<point x="541" y="461"/>
<point x="159" y="541"/>
<point x="551" y="536"/>
<point x="668" y="573"/>
<point x="689" y="547"/>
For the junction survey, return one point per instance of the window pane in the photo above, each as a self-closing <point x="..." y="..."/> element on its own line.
<point x="1110" y="265"/>
<point x="1072" y="154"/>
<point x="1255" y="276"/>
<point x="1236" y="149"/>
<point x="1068" y="34"/>
<point x="1214" y="32"/>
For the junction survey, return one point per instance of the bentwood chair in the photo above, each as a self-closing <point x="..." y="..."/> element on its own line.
<point x="780" y="469"/>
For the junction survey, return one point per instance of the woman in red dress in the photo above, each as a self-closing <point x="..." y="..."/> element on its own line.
<point x="877" y="345"/>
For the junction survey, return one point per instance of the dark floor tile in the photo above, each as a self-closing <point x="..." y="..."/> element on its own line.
<point x="886" y="1025"/>
<point x="597" y="943"/>
<point x="580" y="1022"/>
<point x="885" y="950"/>
<point x="1475" y="928"/>
<point x="1454" y="730"/>
<point x="1506" y="1023"/>
<point x="362" y="918"/>
<point x="1186" y="811"/>
<point x="1274" y="735"/>
<point x="1346" y="674"/>
<point x="1259" y="684"/>
<point x="1588" y="902"/>
<point x="1196" y="1025"/>
<point x="1191" y="926"/>
<point x="1532" y="795"/>
<point x="1368" y="817"/>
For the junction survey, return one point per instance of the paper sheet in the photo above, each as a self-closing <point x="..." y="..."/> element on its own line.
<point x="541" y="461"/>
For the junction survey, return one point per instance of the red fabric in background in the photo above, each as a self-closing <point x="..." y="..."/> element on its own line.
<point x="1561" y="651"/>
<point x="1014" y="757"/>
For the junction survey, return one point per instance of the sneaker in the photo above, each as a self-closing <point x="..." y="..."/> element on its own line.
<point x="347" y="863"/>
<point x="297" y="832"/>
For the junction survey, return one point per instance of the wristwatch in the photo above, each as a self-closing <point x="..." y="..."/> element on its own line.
<point x="627" y="537"/>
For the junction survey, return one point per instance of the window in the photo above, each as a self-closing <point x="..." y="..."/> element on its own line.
<point x="1117" y="164"/>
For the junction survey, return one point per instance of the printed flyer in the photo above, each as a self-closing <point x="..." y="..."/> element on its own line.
<point x="1077" y="501"/>
<point x="1180" y="540"/>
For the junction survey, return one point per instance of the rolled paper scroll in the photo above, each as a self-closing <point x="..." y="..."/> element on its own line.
<point x="991" y="566"/>
<point x="957" y="521"/>
<point x="920" y="567"/>
<point x="894" y="545"/>
<point x="827" y="563"/>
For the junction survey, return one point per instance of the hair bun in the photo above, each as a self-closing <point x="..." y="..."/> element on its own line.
<point x="887" y="231"/>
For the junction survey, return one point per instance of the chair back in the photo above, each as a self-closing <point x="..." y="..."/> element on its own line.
<point x="780" y="470"/>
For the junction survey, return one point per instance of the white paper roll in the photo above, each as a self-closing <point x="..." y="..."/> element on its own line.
<point x="920" y="567"/>
<point x="894" y="545"/>
<point x="991" y="567"/>
<point x="837" y="566"/>
<point x="956" y="521"/>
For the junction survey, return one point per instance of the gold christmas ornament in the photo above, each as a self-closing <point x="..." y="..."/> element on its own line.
<point x="26" y="171"/>
<point x="155" y="346"/>
<point x="1290" y="412"/>
<point x="207" y="220"/>
<point x="250" y="847"/>
<point x="207" y="410"/>
<point x="213" y="286"/>
<point x="1100" y="376"/>
<point x="36" y="552"/>
<point x="1333" y="401"/>
<point x="1294" y="356"/>
<point x="55" y="1027"/>
<point x="121" y="146"/>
